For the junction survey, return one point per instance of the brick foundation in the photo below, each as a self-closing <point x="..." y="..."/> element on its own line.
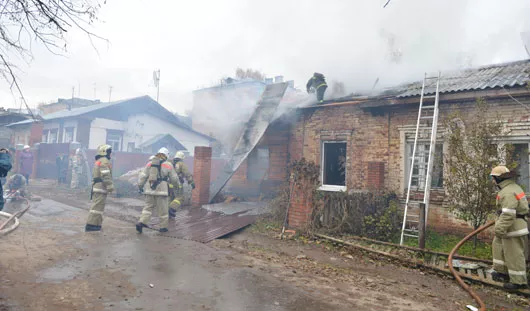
<point x="202" y="167"/>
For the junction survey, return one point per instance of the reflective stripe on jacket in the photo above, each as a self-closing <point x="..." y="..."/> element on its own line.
<point x="102" y="169"/>
<point x="511" y="199"/>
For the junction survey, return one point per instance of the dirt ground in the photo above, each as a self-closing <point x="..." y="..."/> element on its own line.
<point x="49" y="263"/>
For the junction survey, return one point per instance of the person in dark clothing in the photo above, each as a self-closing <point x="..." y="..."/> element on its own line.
<point x="5" y="167"/>
<point x="317" y="83"/>
<point x="26" y="163"/>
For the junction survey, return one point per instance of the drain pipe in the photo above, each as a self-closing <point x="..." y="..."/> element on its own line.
<point x="455" y="273"/>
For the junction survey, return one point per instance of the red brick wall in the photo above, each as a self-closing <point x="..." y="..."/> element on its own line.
<point x="376" y="175"/>
<point x="301" y="208"/>
<point x="201" y="175"/>
<point x="379" y="137"/>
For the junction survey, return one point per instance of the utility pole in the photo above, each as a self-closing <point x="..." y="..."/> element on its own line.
<point x="95" y="90"/>
<point x="78" y="89"/>
<point x="110" y="91"/>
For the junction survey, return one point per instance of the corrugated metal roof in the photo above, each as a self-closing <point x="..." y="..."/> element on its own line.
<point x="200" y="225"/>
<point x="487" y="77"/>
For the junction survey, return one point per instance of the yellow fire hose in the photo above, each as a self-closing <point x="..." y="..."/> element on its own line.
<point x="455" y="273"/>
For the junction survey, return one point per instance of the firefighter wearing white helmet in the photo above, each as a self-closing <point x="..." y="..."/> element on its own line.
<point x="154" y="183"/>
<point x="184" y="175"/>
<point x="510" y="245"/>
<point x="102" y="185"/>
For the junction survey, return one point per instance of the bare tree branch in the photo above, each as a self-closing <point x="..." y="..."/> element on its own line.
<point x="8" y="66"/>
<point x="43" y="21"/>
<point x="384" y="6"/>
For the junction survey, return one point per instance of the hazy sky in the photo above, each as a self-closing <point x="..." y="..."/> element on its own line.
<point x="195" y="43"/>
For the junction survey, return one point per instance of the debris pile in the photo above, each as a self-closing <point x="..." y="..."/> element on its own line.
<point x="131" y="176"/>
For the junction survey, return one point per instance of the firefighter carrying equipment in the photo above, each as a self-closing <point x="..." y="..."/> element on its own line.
<point x="101" y="185"/>
<point x="157" y="197"/>
<point x="317" y="84"/>
<point x="510" y="245"/>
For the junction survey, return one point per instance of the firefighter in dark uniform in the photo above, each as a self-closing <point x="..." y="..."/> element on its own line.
<point x="317" y="84"/>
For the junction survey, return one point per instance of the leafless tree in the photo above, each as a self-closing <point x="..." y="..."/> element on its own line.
<point x="46" y="22"/>
<point x="249" y="73"/>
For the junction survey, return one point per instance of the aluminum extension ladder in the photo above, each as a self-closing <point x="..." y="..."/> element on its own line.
<point x="421" y="166"/>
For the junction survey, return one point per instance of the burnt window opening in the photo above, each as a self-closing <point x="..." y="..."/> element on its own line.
<point x="334" y="164"/>
<point x="258" y="164"/>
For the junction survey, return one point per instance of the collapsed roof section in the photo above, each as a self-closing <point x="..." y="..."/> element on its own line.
<point x="258" y="123"/>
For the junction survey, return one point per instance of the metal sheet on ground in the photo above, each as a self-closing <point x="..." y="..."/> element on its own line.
<point x="200" y="225"/>
<point x="256" y="127"/>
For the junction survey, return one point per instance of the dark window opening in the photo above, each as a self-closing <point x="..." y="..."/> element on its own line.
<point x="334" y="164"/>
<point x="258" y="164"/>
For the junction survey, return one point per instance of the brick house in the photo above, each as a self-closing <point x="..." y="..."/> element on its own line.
<point x="375" y="136"/>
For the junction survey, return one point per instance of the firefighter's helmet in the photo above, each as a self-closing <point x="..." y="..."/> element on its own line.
<point x="164" y="151"/>
<point x="104" y="150"/>
<point x="180" y="155"/>
<point x="499" y="170"/>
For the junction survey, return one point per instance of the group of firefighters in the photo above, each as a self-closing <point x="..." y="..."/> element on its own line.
<point x="161" y="182"/>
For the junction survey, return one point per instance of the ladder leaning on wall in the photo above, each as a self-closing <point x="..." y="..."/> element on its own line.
<point x="420" y="171"/>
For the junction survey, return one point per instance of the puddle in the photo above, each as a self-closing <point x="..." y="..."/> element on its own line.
<point x="57" y="274"/>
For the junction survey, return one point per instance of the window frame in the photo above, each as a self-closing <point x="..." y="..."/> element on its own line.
<point x="45" y="136"/>
<point x="409" y="145"/>
<point x="332" y="188"/>
<point x="120" y="140"/>
<point x="56" y="131"/>
<point x="73" y="134"/>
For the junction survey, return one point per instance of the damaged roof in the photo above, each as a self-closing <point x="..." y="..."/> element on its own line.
<point x="510" y="74"/>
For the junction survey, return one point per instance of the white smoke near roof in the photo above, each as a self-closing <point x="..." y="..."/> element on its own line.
<point x="359" y="41"/>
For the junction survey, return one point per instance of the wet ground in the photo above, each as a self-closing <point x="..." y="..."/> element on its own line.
<point x="49" y="263"/>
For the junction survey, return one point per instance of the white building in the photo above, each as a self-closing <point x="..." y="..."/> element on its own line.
<point x="126" y="125"/>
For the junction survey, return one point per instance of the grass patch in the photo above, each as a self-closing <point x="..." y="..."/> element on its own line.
<point x="444" y="243"/>
<point x="264" y="225"/>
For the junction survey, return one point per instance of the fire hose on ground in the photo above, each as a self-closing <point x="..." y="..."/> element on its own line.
<point x="455" y="273"/>
<point x="12" y="218"/>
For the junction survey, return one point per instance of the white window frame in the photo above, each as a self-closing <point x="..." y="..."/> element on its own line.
<point x="56" y="130"/>
<point x="331" y="188"/>
<point x="120" y="141"/>
<point x="408" y="166"/>
<point x="73" y="134"/>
